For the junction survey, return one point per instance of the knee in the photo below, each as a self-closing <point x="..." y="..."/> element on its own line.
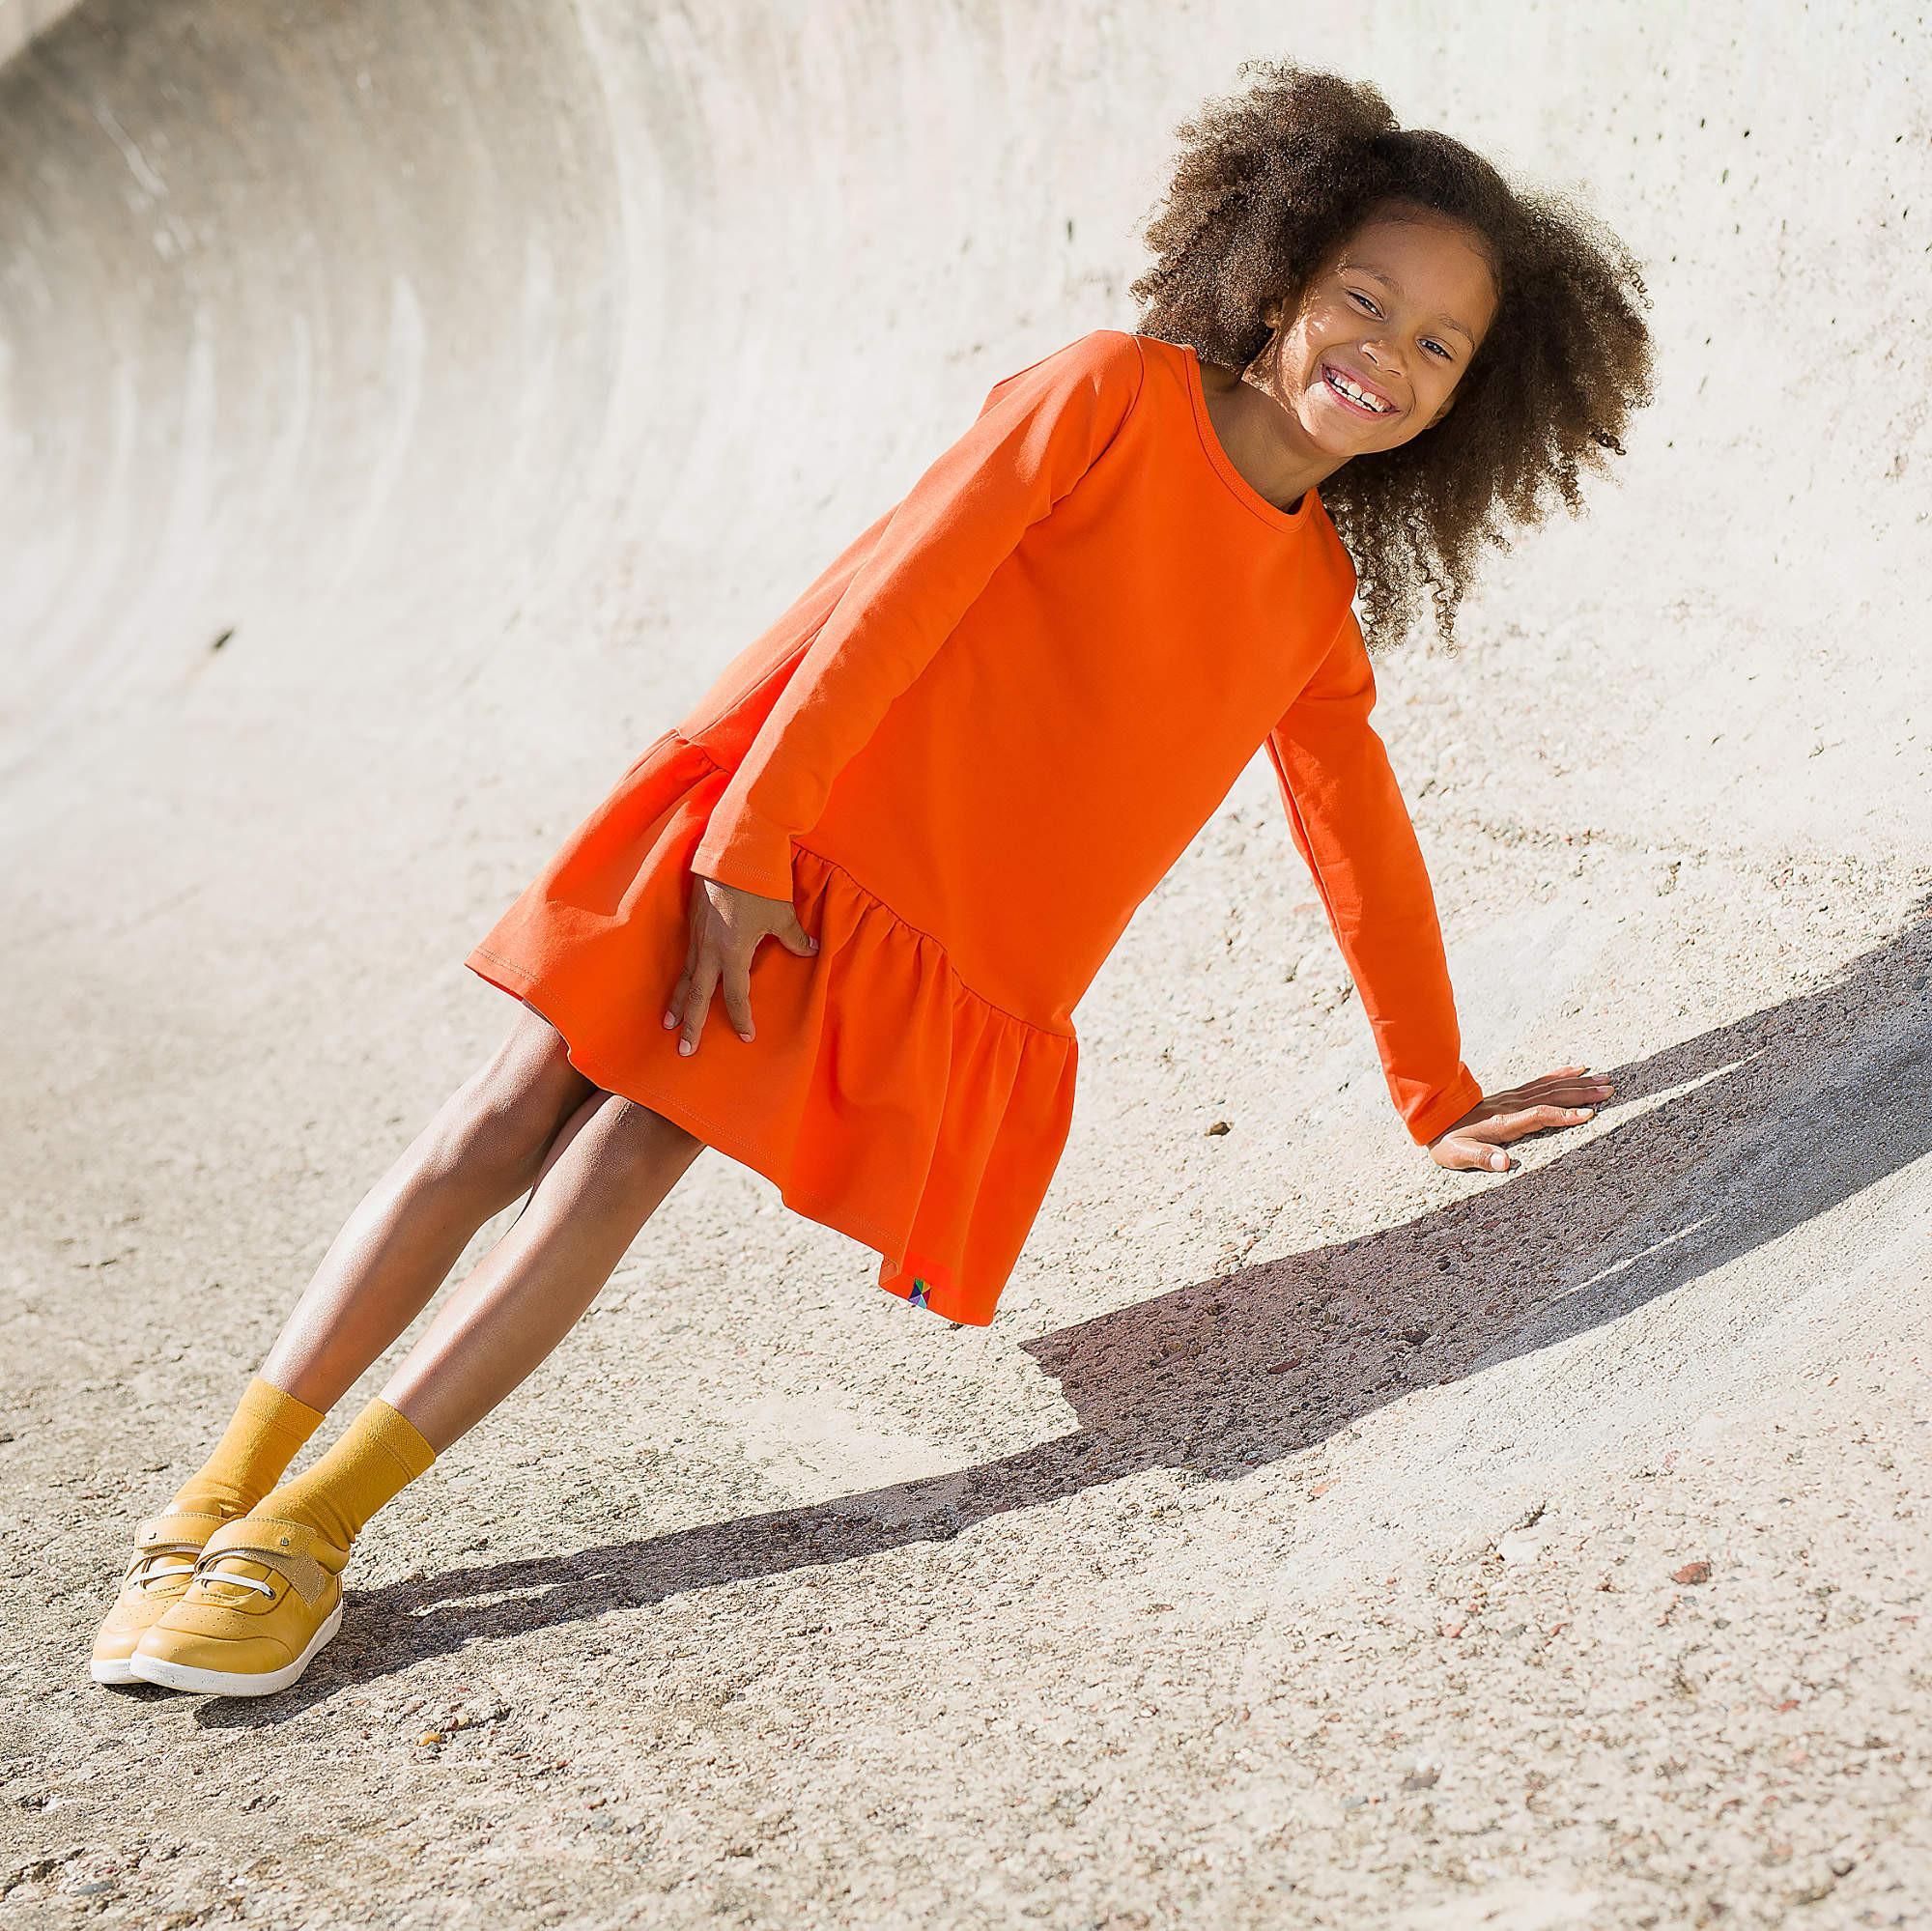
<point x="504" y="1117"/>
<point x="634" y="1135"/>
<point x="639" y="1126"/>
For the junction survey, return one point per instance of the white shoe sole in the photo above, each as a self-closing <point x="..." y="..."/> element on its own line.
<point x="114" y="1672"/>
<point x="233" y="1683"/>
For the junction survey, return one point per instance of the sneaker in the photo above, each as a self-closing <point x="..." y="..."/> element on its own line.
<point x="165" y="1546"/>
<point x="265" y="1597"/>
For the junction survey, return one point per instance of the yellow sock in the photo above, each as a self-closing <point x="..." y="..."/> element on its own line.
<point x="378" y="1454"/>
<point x="268" y="1428"/>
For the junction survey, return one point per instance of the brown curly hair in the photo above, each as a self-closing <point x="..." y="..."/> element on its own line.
<point x="1269" y="182"/>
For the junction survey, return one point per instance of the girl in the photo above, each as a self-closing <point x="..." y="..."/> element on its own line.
<point x="943" y="781"/>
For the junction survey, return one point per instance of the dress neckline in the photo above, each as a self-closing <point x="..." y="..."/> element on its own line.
<point x="1224" y="464"/>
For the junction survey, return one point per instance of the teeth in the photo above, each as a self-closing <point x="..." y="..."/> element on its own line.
<point x="1353" y="389"/>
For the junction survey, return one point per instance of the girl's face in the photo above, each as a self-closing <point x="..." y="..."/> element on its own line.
<point x="1398" y="310"/>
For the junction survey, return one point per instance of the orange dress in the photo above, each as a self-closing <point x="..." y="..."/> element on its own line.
<point x="967" y="752"/>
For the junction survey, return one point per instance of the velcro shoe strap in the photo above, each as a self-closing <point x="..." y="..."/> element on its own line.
<point x="176" y="1528"/>
<point x="306" y="1557"/>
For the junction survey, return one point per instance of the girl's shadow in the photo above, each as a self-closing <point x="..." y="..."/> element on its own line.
<point x="1780" y="1116"/>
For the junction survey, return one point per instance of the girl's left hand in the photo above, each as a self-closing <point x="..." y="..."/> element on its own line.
<point x="1559" y="1098"/>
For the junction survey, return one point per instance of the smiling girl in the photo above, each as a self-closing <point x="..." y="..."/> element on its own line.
<point x="943" y="781"/>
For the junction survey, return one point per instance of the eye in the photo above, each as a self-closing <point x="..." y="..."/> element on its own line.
<point x="1448" y="354"/>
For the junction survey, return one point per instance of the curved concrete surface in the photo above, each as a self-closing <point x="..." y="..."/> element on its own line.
<point x="405" y="411"/>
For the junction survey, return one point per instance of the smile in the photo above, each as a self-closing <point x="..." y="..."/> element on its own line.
<point x="1353" y="396"/>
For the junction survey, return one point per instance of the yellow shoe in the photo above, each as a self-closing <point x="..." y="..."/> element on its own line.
<point x="264" y="1599"/>
<point x="165" y="1546"/>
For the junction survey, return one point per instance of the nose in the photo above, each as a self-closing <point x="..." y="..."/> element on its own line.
<point x="1386" y="364"/>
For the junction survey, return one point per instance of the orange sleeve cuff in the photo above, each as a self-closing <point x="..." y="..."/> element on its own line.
<point x="741" y="848"/>
<point x="1429" y="1123"/>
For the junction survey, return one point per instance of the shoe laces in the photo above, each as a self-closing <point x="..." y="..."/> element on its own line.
<point x="146" y="1568"/>
<point x="206" y="1570"/>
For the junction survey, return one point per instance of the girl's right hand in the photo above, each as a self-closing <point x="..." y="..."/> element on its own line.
<point x="727" y="924"/>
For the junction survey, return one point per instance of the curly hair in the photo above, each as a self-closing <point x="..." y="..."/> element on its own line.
<point x="1268" y="184"/>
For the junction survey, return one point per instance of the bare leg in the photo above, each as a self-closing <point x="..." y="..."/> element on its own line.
<point x="486" y="1145"/>
<point x="607" y="1171"/>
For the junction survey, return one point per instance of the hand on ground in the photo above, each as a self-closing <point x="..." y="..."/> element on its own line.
<point x="725" y="927"/>
<point x="1560" y="1099"/>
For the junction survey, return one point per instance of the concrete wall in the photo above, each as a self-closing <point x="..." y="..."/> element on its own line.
<point x="367" y="332"/>
<point x="21" y="19"/>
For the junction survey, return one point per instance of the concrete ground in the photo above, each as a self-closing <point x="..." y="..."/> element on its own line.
<point x="406" y="413"/>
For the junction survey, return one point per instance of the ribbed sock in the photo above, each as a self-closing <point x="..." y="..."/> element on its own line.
<point x="377" y="1454"/>
<point x="262" y="1440"/>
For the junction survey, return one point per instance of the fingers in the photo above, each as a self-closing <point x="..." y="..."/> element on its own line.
<point x="1556" y="1089"/>
<point x="1566" y="1085"/>
<point x="737" y="975"/>
<point x="1477" y="1146"/>
<point x="691" y="1001"/>
<point x="795" y="938"/>
<point x="681" y="991"/>
<point x="697" y="1001"/>
<point x="1535" y="1119"/>
<point x="1462" y="1152"/>
<point x="722" y="959"/>
<point x="718" y="950"/>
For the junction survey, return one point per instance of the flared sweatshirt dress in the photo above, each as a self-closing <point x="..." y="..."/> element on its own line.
<point x="966" y="753"/>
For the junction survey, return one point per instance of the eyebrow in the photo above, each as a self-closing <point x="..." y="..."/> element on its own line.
<point x="1390" y="282"/>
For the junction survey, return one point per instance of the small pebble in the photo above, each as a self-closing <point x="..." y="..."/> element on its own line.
<point x="1522" y="1545"/>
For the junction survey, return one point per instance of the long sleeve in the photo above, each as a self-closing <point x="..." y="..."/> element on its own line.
<point x="1350" y="825"/>
<point x="1037" y="433"/>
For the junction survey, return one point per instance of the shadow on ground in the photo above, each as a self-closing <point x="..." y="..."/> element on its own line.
<point x="1767" y="1123"/>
